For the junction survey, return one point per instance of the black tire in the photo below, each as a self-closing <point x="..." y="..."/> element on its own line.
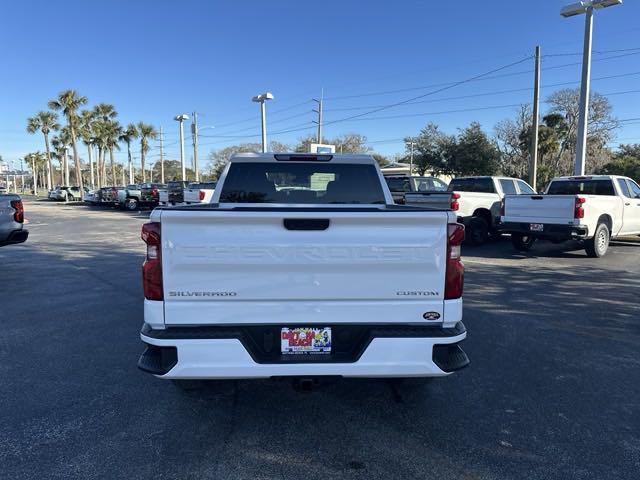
<point x="522" y="243"/>
<point x="131" y="204"/>
<point x="597" y="246"/>
<point x="478" y="231"/>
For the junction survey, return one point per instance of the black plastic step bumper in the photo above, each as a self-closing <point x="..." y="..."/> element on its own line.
<point x="17" y="236"/>
<point x="158" y="360"/>
<point x="549" y="231"/>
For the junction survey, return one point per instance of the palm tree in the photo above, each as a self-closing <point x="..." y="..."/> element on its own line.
<point x="105" y="112"/>
<point x="146" y="132"/>
<point x="112" y="133"/>
<point x="60" y="154"/>
<point x="86" y="132"/>
<point x="130" y="133"/>
<point x="100" y="140"/>
<point x="45" y="122"/>
<point x="69" y="102"/>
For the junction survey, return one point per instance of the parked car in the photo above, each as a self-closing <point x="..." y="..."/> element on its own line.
<point x="592" y="209"/>
<point x="399" y="185"/>
<point x="142" y="195"/>
<point x="12" y="230"/>
<point x="176" y="191"/>
<point x="66" y="194"/>
<point x="318" y="287"/>
<point x="91" y="197"/>
<point x="108" y="196"/>
<point x="199" y="192"/>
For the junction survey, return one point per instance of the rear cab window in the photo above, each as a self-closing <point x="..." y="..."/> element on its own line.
<point x="622" y="183"/>
<point x="302" y="183"/>
<point x="478" y="185"/>
<point x="398" y="184"/>
<point x="525" y="189"/>
<point x="582" y="186"/>
<point x="508" y="187"/>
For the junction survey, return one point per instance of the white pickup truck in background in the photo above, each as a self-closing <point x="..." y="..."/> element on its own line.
<point x="302" y="266"/>
<point x="475" y="200"/>
<point x="200" y="192"/>
<point x="592" y="209"/>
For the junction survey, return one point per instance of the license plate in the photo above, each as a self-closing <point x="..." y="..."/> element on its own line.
<point x="305" y="340"/>
<point x="536" y="227"/>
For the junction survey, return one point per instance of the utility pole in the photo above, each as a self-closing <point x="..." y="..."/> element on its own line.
<point x="319" y="112"/>
<point x="21" y="176"/>
<point x="161" y="156"/>
<point x="533" y="165"/>
<point x="194" y="138"/>
<point x="411" y="158"/>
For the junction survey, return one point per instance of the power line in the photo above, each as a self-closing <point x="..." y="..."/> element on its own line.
<point x="511" y="74"/>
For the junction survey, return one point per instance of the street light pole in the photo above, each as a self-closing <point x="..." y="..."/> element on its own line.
<point x="583" y="113"/>
<point x="587" y="7"/>
<point x="181" y="119"/>
<point x="261" y="99"/>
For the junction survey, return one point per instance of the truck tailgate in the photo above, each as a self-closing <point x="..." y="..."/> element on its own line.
<point x="246" y="267"/>
<point x="551" y="209"/>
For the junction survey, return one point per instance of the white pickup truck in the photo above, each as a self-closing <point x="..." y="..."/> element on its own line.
<point x="302" y="266"/>
<point x="200" y="192"/>
<point x="592" y="209"/>
<point x="11" y="220"/>
<point x="475" y="200"/>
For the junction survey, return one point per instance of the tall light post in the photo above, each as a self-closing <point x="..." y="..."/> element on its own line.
<point x="587" y="7"/>
<point x="263" y="97"/>
<point x="181" y="118"/>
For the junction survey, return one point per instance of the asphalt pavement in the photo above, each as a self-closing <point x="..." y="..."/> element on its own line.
<point x="552" y="392"/>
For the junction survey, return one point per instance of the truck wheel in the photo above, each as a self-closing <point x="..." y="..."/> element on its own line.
<point x="131" y="204"/>
<point x="522" y="243"/>
<point x="597" y="246"/>
<point x="478" y="231"/>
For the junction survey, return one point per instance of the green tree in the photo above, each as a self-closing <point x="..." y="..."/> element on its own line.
<point x="430" y="151"/>
<point x="172" y="170"/>
<point x="45" y="122"/>
<point x="69" y="102"/>
<point x="146" y="132"/>
<point x="473" y="153"/>
<point x="625" y="162"/>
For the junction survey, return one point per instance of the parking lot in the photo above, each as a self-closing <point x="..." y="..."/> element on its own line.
<point x="552" y="390"/>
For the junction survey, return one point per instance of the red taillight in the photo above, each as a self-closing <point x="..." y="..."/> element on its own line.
<point x="152" y="266"/>
<point x="455" y="206"/>
<point x="154" y="192"/>
<point x="201" y="195"/>
<point x="579" y="209"/>
<point x="18" y="216"/>
<point x="454" y="276"/>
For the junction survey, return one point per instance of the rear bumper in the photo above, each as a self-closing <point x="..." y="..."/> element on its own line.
<point x="549" y="231"/>
<point x="16" y="236"/>
<point x="253" y="352"/>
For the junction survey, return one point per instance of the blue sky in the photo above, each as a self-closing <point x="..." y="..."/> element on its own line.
<point x="153" y="60"/>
